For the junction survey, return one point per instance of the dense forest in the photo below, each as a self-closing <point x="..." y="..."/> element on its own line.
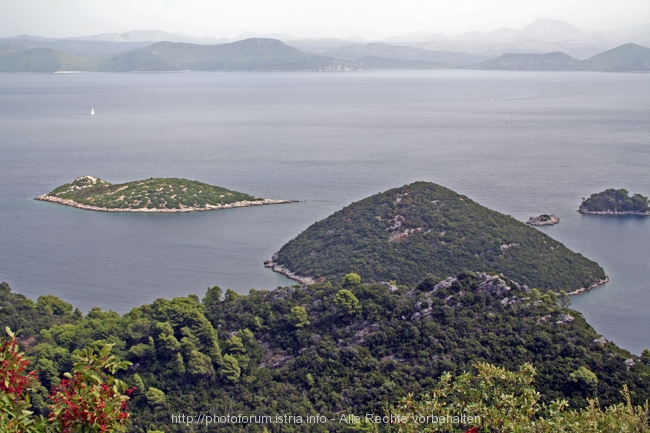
<point x="405" y="233"/>
<point x="332" y="348"/>
<point x="615" y="201"/>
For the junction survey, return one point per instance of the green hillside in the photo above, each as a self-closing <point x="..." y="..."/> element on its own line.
<point x="162" y="194"/>
<point x="42" y="60"/>
<point x="328" y="349"/>
<point x="405" y="233"/>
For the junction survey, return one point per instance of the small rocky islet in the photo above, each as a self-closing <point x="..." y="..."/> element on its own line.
<point x="150" y="195"/>
<point x="543" y="220"/>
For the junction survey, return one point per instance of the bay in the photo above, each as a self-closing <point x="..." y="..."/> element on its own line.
<point x="326" y="139"/>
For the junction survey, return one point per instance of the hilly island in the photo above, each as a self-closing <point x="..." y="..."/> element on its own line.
<point x="151" y="195"/>
<point x="405" y="233"/>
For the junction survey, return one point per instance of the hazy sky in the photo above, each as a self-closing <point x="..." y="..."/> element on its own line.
<point x="336" y="18"/>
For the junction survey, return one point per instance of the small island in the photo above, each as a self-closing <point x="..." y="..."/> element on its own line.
<point x="151" y="195"/>
<point x="543" y="220"/>
<point x="615" y="202"/>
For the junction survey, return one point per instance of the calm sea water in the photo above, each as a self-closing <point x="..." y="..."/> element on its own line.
<point x="327" y="139"/>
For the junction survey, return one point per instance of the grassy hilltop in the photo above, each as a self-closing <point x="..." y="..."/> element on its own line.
<point x="162" y="194"/>
<point x="405" y="233"/>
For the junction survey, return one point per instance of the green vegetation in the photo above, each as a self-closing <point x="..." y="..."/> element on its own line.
<point x="158" y="193"/>
<point x="615" y="201"/>
<point x="405" y="233"/>
<point x="19" y="312"/>
<point x="359" y="349"/>
<point x="89" y="399"/>
<point x="498" y="400"/>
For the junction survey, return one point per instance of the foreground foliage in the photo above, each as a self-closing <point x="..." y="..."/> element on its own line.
<point x="89" y="400"/>
<point x="15" y="382"/>
<point x="500" y="401"/>
<point x="333" y="349"/>
<point x="405" y="233"/>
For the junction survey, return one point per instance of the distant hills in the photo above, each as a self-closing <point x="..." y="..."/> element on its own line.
<point x="263" y="54"/>
<point x="380" y="50"/>
<point x="16" y="58"/>
<point x="556" y="61"/>
<point x="540" y="36"/>
<point x="250" y="54"/>
<point x="626" y="58"/>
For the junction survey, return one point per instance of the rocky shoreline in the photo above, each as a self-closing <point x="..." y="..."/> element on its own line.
<point x="543" y="220"/>
<point x="613" y="212"/>
<point x="593" y="286"/>
<point x="244" y="203"/>
<point x="305" y="281"/>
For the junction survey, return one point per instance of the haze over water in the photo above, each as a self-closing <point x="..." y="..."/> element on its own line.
<point x="327" y="139"/>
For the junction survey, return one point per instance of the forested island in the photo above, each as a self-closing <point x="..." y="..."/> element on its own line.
<point x="151" y="195"/>
<point x="615" y="202"/>
<point x="405" y="233"/>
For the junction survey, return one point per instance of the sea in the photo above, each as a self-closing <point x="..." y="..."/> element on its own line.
<point x="521" y="143"/>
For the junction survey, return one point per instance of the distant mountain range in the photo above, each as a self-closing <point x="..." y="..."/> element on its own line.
<point x="249" y="54"/>
<point x="541" y="36"/>
<point x="262" y="54"/>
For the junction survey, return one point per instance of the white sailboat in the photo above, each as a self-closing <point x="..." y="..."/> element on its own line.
<point x="92" y="111"/>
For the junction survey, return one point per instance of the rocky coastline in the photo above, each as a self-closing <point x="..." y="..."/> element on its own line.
<point x="593" y="286"/>
<point x="543" y="220"/>
<point x="243" y="203"/>
<point x="305" y="281"/>
<point x="613" y="212"/>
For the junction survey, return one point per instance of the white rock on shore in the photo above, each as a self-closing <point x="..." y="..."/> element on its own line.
<point x="243" y="203"/>
<point x="593" y="286"/>
<point x="305" y="281"/>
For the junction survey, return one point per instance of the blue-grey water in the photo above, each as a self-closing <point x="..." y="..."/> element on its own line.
<point x="326" y="139"/>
